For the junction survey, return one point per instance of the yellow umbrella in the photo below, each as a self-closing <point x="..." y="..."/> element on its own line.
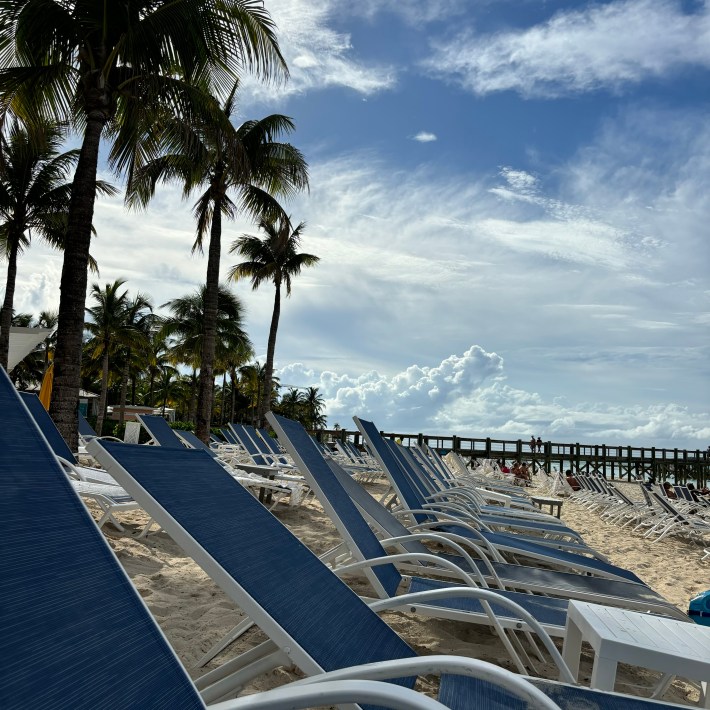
<point x="45" y="392"/>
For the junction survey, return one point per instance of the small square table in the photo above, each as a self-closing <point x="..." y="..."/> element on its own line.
<point x="552" y="503"/>
<point x="617" y="635"/>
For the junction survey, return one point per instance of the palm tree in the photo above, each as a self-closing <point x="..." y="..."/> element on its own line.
<point x="185" y="327"/>
<point x="110" y="330"/>
<point x="48" y="319"/>
<point x="291" y="404"/>
<point x="139" y="316"/>
<point x="220" y="159"/>
<point x="274" y="258"/>
<point x="108" y="66"/>
<point x="313" y="404"/>
<point x="33" y="190"/>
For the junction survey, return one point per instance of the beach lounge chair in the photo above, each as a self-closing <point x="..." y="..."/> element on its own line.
<point x="257" y="449"/>
<point x="415" y="505"/>
<point x="677" y="523"/>
<point x="160" y="432"/>
<point x="516" y="546"/>
<point x="90" y="483"/>
<point x="332" y="485"/>
<point x="311" y="618"/>
<point x="76" y="633"/>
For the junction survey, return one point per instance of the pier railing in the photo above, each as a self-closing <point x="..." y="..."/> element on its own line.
<point x="615" y="461"/>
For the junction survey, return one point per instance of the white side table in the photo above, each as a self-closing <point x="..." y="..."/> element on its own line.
<point x="617" y="635"/>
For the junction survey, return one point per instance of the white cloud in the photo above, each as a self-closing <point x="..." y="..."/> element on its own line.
<point x="318" y="56"/>
<point x="414" y="12"/>
<point x="425" y="137"/>
<point x="601" y="46"/>
<point x="467" y="395"/>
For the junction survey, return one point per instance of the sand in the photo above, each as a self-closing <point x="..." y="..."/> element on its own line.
<point x="194" y="613"/>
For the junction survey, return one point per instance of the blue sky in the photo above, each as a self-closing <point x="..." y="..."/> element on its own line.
<point x="510" y="201"/>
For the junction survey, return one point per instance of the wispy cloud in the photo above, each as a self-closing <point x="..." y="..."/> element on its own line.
<point x="425" y="137"/>
<point x="318" y="56"/>
<point x="413" y="12"/>
<point x="560" y="272"/>
<point x="580" y="50"/>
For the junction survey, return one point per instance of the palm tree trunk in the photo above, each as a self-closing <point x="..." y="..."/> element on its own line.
<point x="6" y="313"/>
<point x="124" y="387"/>
<point x="209" y="331"/>
<point x="104" y="390"/>
<point x="192" y="404"/>
<point x="67" y="354"/>
<point x="270" y="349"/>
<point x="233" y="377"/>
<point x="224" y="397"/>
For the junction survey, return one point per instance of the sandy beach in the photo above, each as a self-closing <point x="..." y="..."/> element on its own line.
<point x="194" y="613"/>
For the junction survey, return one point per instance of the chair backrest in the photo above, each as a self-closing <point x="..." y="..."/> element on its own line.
<point x="85" y="429"/>
<point x="406" y="492"/>
<point x="76" y="633"/>
<point x="270" y="574"/>
<point x="47" y="426"/>
<point x="239" y="436"/>
<point x="229" y="437"/>
<point x="668" y="507"/>
<point x="193" y="442"/>
<point x="271" y="444"/>
<point x="160" y="431"/>
<point x="353" y="528"/>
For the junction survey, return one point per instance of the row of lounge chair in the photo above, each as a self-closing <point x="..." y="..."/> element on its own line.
<point x="78" y="634"/>
<point x="656" y="516"/>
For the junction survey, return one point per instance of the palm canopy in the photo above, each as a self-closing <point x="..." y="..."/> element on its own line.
<point x="34" y="193"/>
<point x="273" y="258"/>
<point x="184" y="327"/>
<point x="107" y="66"/>
<point x="113" y="324"/>
<point x="64" y="58"/>
<point x="219" y="159"/>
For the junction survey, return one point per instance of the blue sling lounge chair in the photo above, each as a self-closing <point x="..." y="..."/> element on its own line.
<point x="527" y="547"/>
<point x="311" y="618"/>
<point x="78" y="636"/>
<point x="339" y="493"/>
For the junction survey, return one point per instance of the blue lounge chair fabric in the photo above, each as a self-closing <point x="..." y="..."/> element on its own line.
<point x="160" y="431"/>
<point x="281" y="585"/>
<point x="353" y="528"/>
<point x="70" y="616"/>
<point x="515" y="576"/>
<point x="521" y="545"/>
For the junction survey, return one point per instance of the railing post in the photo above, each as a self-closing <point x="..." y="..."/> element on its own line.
<point x="488" y="447"/>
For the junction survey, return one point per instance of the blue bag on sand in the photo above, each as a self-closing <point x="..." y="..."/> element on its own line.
<point x="699" y="608"/>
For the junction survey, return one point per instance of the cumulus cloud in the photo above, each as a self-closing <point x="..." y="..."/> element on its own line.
<point x="468" y="395"/>
<point x="425" y="137"/>
<point x="580" y="50"/>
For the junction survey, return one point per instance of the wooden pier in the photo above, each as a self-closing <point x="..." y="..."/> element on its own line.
<point x="615" y="462"/>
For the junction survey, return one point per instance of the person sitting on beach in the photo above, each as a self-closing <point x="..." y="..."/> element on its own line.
<point x="668" y="490"/>
<point x="572" y="482"/>
<point x="504" y="468"/>
<point x="697" y="492"/>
